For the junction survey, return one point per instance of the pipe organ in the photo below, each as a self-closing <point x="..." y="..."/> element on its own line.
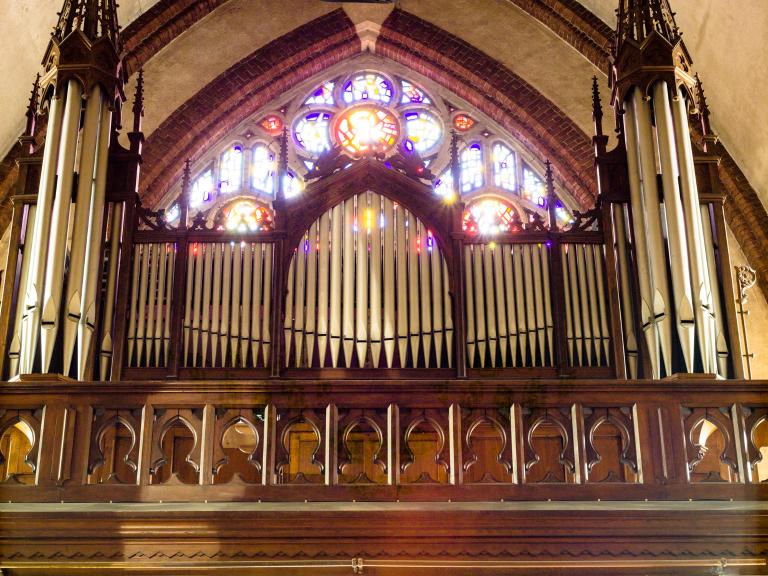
<point x="367" y="267"/>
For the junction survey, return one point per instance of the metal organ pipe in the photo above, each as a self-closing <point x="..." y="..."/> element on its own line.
<point x="335" y="271"/>
<point x="309" y="333"/>
<point x="57" y="240"/>
<point x="699" y="248"/>
<point x="33" y="290"/>
<point x="673" y="208"/>
<point x="424" y="252"/>
<point x="413" y="288"/>
<point x="720" y="343"/>
<point x="402" y="286"/>
<point x="323" y="256"/>
<point x="72" y="299"/>
<point x="389" y="282"/>
<point x="652" y="301"/>
<point x="375" y="289"/>
<point x="361" y="281"/>
<point x="87" y="325"/>
<point x="14" y="350"/>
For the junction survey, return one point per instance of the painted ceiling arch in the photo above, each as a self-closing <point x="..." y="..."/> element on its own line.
<point x="405" y="40"/>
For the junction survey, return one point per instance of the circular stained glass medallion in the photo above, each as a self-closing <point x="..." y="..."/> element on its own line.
<point x="368" y="129"/>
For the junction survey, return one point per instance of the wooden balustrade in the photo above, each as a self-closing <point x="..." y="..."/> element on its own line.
<point x="433" y="440"/>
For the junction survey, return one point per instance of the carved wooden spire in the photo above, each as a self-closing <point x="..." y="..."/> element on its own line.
<point x="32" y="108"/>
<point x="597" y="108"/>
<point x="138" y="101"/>
<point x="95" y="18"/>
<point x="638" y="19"/>
<point x="648" y="47"/>
<point x="551" y="197"/>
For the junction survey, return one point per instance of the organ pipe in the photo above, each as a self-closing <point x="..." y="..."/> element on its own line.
<point x="389" y="282"/>
<point x="14" y="350"/>
<point x="662" y="303"/>
<point x="57" y="240"/>
<point x="699" y="246"/>
<point x="651" y="301"/>
<point x="335" y="294"/>
<point x="675" y="220"/>
<point x="375" y="289"/>
<point x="33" y="289"/>
<point x="312" y="254"/>
<point x="72" y="299"/>
<point x="361" y="281"/>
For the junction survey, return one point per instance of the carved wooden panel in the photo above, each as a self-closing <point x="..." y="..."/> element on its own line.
<point x="710" y="444"/>
<point x="424" y="446"/>
<point x="300" y="449"/>
<point x="363" y="446"/>
<point x="19" y="455"/>
<point x="177" y="435"/>
<point x="611" y="446"/>
<point x="113" y="454"/>
<point x="238" y="445"/>
<point x="487" y="446"/>
<point x="756" y="431"/>
<point x="548" y="447"/>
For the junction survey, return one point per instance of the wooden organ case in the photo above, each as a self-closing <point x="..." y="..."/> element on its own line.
<point x="361" y="386"/>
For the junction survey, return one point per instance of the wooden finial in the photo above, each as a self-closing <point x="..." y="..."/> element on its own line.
<point x="29" y="131"/>
<point x="597" y="108"/>
<point x="186" y="180"/>
<point x="282" y="165"/>
<point x="138" y="101"/>
<point x="551" y="197"/>
<point x="455" y="169"/>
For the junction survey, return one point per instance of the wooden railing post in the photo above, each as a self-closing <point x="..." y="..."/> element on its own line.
<point x="612" y="286"/>
<point x="175" y="359"/>
<point x="123" y="303"/>
<point x="557" y="291"/>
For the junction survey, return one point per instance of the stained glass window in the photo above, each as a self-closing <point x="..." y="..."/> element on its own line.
<point x="503" y="166"/>
<point x="291" y="185"/>
<point x="362" y="130"/>
<point x="272" y="124"/>
<point x="367" y="87"/>
<point x="312" y="132"/>
<point x="411" y="94"/>
<point x="488" y="217"/>
<point x="471" y="165"/>
<point x="202" y="189"/>
<point x="462" y="122"/>
<point x="231" y="170"/>
<point x="323" y="95"/>
<point x="423" y="129"/>
<point x="247" y="216"/>
<point x="263" y="170"/>
<point x="533" y="187"/>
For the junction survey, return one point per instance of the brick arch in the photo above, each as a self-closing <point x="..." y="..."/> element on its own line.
<point x="259" y="78"/>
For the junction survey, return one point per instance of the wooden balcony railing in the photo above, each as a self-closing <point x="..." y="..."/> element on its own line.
<point x="357" y="440"/>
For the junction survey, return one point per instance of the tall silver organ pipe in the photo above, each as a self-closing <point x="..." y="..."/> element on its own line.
<point x="387" y="290"/>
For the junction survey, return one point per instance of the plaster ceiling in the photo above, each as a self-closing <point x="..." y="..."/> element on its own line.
<point x="726" y="44"/>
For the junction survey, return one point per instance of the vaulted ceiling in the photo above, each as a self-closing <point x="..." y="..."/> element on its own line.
<point x="543" y="42"/>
